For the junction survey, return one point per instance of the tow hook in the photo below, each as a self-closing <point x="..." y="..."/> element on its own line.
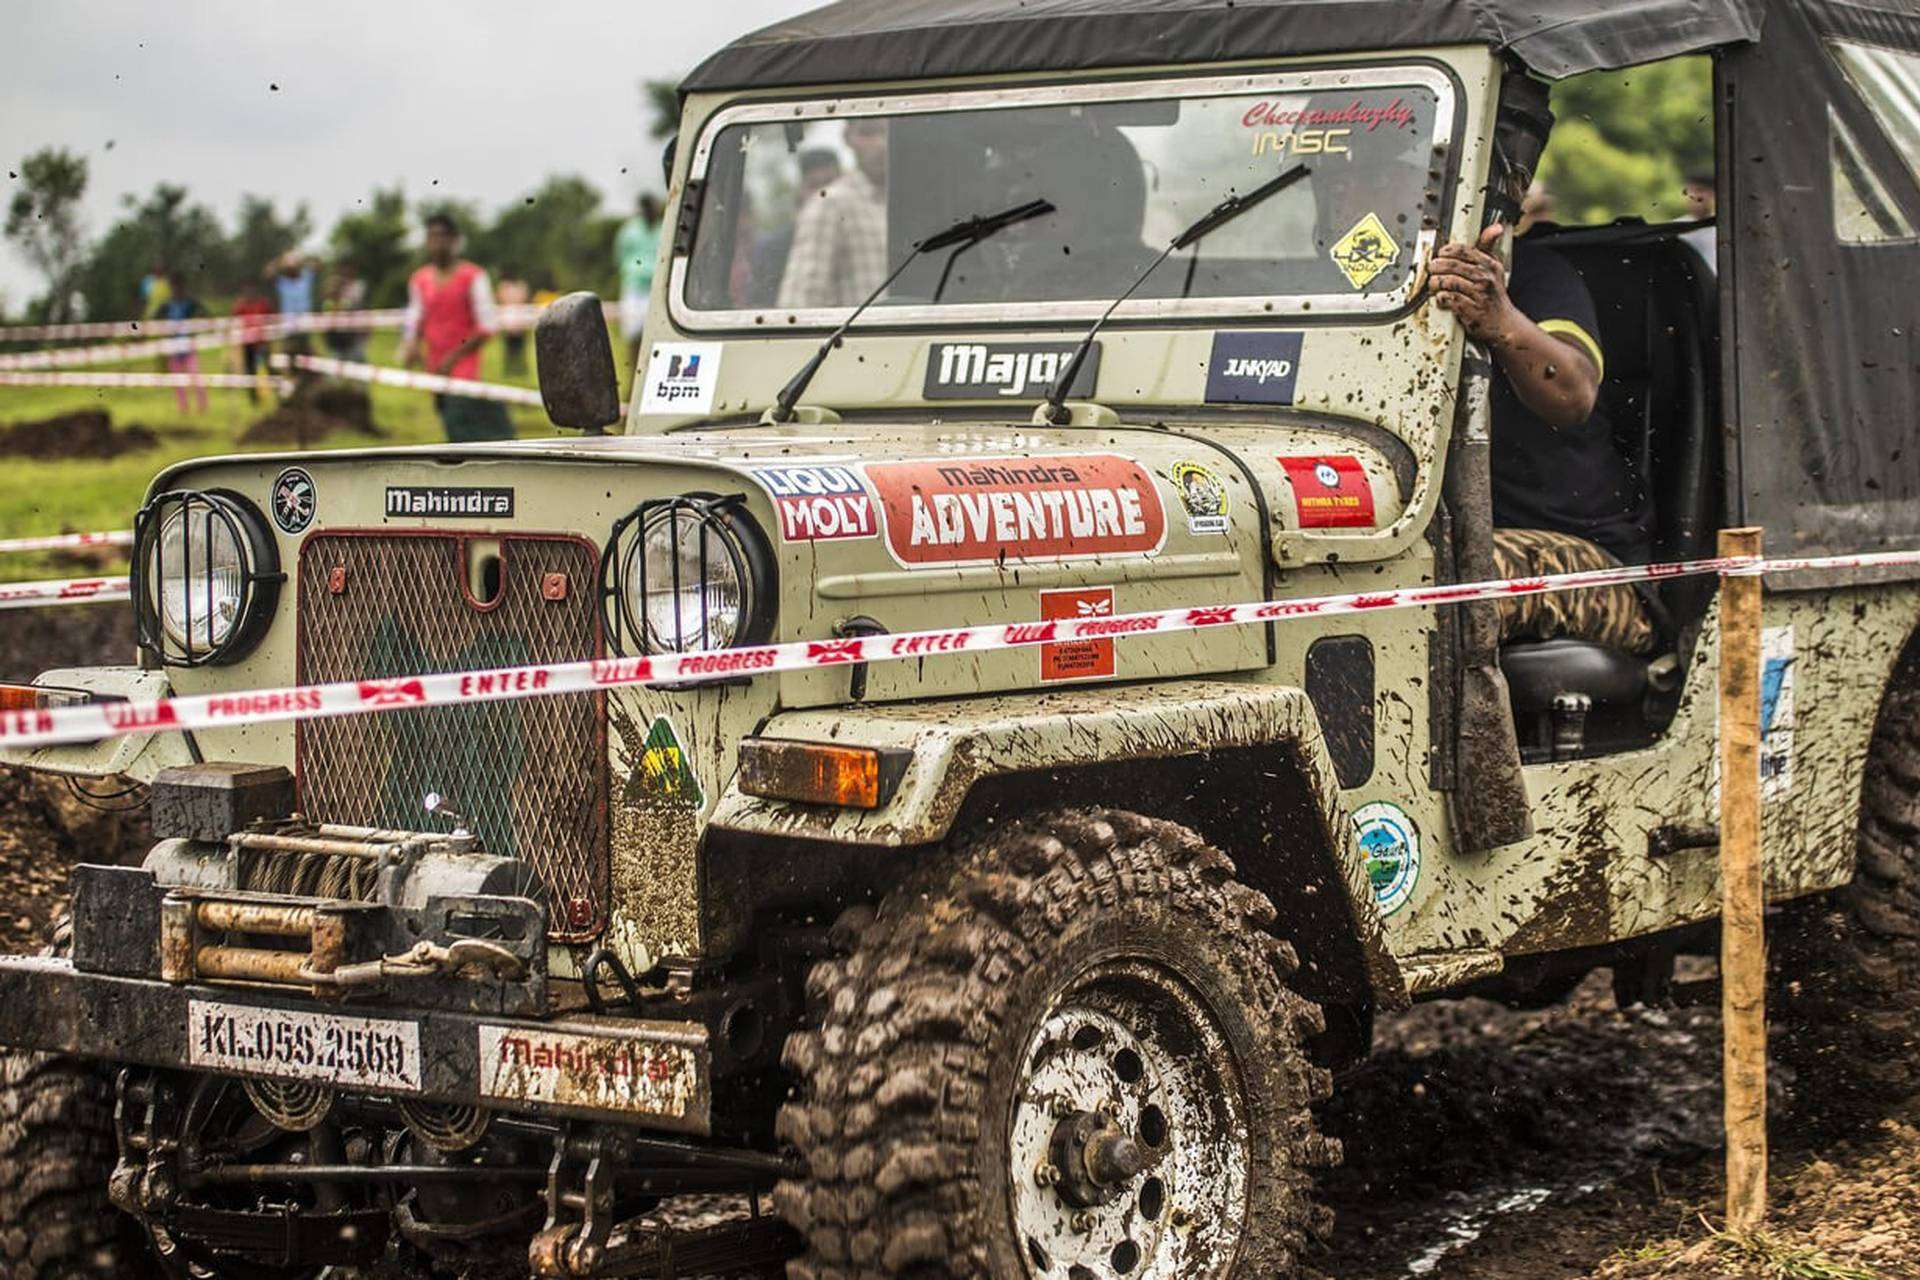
<point x="426" y="960"/>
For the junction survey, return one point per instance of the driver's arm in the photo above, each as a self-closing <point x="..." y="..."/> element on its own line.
<point x="1554" y="365"/>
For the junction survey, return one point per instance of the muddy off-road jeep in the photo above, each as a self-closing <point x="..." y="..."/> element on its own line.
<point x="1026" y="963"/>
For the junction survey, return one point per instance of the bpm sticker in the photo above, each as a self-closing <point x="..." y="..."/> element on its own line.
<point x="1076" y="659"/>
<point x="1253" y="368"/>
<point x="1330" y="492"/>
<point x="989" y="510"/>
<point x="295" y="501"/>
<point x="1776" y="712"/>
<point x="1204" y="495"/>
<point x="1391" y="845"/>
<point x="681" y="377"/>
<point x="984" y="371"/>
<point x="819" y="504"/>
<point x="1365" y="251"/>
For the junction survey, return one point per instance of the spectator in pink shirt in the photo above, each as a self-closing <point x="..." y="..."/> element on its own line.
<point x="450" y="316"/>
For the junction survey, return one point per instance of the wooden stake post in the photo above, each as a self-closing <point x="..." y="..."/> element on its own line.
<point x="1743" y="960"/>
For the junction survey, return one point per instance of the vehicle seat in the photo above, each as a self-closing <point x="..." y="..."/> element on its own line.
<point x="1655" y="301"/>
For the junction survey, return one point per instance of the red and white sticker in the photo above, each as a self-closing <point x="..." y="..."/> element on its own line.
<point x="1076" y="659"/>
<point x="637" y="1074"/>
<point x="986" y="510"/>
<point x="1330" y="492"/>
<point x="820" y="504"/>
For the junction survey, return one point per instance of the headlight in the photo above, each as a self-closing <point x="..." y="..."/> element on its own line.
<point x="687" y="573"/>
<point x="207" y="577"/>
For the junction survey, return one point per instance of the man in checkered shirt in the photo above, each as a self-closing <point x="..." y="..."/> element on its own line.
<point x="840" y="240"/>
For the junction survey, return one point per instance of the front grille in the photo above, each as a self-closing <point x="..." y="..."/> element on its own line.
<point x="529" y="775"/>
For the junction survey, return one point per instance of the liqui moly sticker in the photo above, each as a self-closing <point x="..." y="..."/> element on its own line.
<point x="820" y="504"/>
<point x="1330" y="492"/>
<point x="681" y="377"/>
<point x="990" y="510"/>
<point x="1076" y="659"/>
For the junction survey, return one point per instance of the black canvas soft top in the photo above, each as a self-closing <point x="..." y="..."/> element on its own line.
<point x="864" y="41"/>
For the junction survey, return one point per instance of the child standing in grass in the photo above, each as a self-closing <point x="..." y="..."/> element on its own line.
<point x="183" y="357"/>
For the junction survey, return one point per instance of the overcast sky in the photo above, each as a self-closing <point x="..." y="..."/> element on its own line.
<point x="485" y="96"/>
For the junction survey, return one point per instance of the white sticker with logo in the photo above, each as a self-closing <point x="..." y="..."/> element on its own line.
<point x="325" y="1048"/>
<point x="681" y="377"/>
<point x="819" y="503"/>
<point x="1390" y="842"/>
<point x="1776" y="712"/>
<point x="605" y="1073"/>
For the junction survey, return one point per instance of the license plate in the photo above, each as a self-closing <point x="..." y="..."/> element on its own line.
<point x="376" y="1053"/>
<point x="603" y="1073"/>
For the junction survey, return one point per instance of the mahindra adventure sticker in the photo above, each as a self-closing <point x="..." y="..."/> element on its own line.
<point x="681" y="377"/>
<point x="1330" y="492"/>
<point x="1076" y="659"/>
<point x="449" y="502"/>
<point x="1014" y="370"/>
<point x="988" y="510"/>
<point x="1253" y="368"/>
<point x="819" y="503"/>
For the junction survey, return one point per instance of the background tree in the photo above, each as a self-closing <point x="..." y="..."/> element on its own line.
<point x="261" y="236"/>
<point x="1627" y="140"/>
<point x="163" y="230"/>
<point x="557" y="238"/>
<point x="376" y="239"/>
<point x="663" y="108"/>
<point x="43" y="221"/>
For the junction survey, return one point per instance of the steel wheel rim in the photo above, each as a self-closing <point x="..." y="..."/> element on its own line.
<point x="1128" y="1051"/>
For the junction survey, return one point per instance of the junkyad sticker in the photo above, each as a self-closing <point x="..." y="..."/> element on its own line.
<point x="1365" y="251"/>
<point x="1390" y="842"/>
<point x="681" y="377"/>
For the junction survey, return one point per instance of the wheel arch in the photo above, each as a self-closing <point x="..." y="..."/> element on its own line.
<point x="1244" y="765"/>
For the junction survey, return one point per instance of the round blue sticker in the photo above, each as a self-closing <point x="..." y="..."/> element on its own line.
<point x="1391" y="845"/>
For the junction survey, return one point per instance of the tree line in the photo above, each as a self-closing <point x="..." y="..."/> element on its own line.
<point x="558" y="237"/>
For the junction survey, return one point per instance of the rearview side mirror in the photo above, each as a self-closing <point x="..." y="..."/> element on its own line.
<point x="578" y="385"/>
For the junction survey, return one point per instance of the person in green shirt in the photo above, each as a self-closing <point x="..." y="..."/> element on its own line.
<point x="635" y="250"/>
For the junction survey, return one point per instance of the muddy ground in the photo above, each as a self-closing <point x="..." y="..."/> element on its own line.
<point x="1576" y="1143"/>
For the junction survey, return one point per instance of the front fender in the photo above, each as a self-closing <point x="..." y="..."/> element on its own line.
<point x="134" y="756"/>
<point x="958" y="746"/>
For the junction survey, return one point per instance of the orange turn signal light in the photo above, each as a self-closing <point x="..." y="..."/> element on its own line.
<point x="19" y="697"/>
<point x="821" y="773"/>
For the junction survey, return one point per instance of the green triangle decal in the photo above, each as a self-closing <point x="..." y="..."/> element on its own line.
<point x="664" y="768"/>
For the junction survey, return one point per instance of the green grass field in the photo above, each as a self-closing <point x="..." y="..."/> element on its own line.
<point x="42" y="497"/>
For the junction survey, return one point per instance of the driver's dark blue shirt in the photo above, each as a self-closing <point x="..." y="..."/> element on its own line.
<point x="1567" y="479"/>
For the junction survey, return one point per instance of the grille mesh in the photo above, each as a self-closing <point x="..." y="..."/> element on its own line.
<point x="529" y="774"/>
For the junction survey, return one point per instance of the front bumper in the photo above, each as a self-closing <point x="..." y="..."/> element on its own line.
<point x="655" y="1074"/>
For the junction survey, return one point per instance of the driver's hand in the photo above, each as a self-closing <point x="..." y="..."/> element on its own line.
<point x="1470" y="282"/>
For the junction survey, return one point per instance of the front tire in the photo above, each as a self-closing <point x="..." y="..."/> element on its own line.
<point x="1064" y="1049"/>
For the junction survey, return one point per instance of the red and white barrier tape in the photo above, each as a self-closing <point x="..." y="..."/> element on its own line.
<point x="63" y="541"/>
<point x="39" y="595"/>
<point x="122" y="351"/>
<point x="386" y="377"/>
<point x="513" y="317"/>
<point x="130" y="381"/>
<point x="94" y="721"/>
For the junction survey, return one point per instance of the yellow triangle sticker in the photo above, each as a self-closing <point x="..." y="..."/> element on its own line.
<point x="1365" y="251"/>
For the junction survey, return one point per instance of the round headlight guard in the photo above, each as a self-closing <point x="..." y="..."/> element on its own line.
<point x="206" y="577"/>
<point x="687" y="573"/>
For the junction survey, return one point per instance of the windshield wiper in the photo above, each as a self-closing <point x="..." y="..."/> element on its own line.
<point x="960" y="236"/>
<point x="1054" y="408"/>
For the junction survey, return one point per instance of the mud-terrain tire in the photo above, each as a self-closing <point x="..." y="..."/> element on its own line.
<point x="57" y="1151"/>
<point x="1013" y="1016"/>
<point x="1850" y="963"/>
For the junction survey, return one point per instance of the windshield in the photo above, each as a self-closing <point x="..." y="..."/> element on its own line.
<point x="806" y="207"/>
